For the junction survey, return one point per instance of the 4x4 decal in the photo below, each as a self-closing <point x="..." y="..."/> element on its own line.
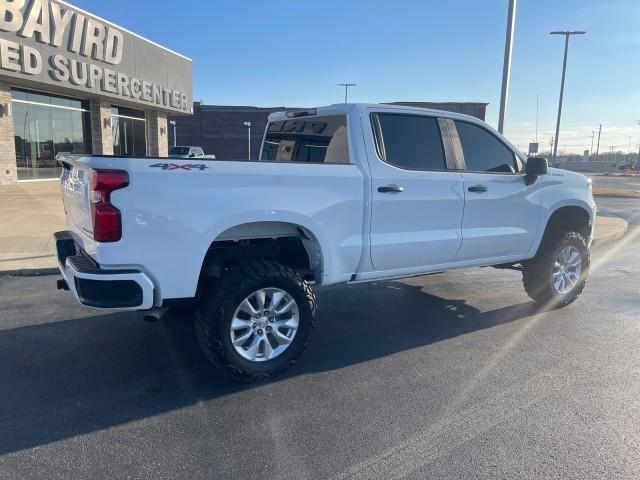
<point x="177" y="166"/>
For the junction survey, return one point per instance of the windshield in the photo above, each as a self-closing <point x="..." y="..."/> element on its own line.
<point x="179" y="151"/>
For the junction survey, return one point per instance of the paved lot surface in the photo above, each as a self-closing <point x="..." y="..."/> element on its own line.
<point x="31" y="212"/>
<point x="448" y="376"/>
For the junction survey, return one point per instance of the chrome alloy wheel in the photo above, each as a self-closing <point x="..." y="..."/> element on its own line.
<point x="566" y="270"/>
<point x="264" y="324"/>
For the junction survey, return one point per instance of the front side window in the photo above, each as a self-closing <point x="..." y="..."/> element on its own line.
<point x="307" y="140"/>
<point x="483" y="152"/>
<point x="411" y="142"/>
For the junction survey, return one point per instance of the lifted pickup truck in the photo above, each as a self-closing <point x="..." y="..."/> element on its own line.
<point x="341" y="194"/>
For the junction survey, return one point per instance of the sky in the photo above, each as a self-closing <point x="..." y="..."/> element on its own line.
<point x="293" y="53"/>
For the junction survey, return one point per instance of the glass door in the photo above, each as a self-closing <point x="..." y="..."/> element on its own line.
<point x="129" y="132"/>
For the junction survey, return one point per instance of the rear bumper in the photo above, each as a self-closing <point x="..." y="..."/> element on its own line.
<point x="93" y="286"/>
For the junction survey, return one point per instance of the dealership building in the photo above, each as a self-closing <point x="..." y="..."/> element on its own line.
<point x="73" y="82"/>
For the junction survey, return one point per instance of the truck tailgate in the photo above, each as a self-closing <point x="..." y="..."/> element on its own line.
<point x="75" y="196"/>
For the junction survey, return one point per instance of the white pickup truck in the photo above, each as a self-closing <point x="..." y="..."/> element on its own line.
<point x="341" y="194"/>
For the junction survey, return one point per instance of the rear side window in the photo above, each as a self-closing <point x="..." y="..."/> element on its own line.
<point x="483" y="152"/>
<point x="307" y="140"/>
<point x="411" y="142"/>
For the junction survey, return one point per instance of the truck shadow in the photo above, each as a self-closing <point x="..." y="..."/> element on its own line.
<point x="59" y="380"/>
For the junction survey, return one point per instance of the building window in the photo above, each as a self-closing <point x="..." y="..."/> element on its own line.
<point x="45" y="125"/>
<point x="129" y="132"/>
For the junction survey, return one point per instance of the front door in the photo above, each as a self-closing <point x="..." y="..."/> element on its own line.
<point x="417" y="203"/>
<point x="500" y="218"/>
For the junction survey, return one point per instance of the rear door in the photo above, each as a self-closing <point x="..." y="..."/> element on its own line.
<point x="500" y="219"/>
<point x="417" y="201"/>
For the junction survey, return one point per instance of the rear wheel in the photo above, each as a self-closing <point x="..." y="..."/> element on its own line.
<point x="256" y="320"/>
<point x="557" y="274"/>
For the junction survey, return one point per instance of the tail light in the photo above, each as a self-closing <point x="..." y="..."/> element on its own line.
<point x="107" y="222"/>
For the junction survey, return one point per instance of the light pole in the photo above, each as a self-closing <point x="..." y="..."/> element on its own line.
<point x="248" y="125"/>
<point x="506" y="67"/>
<point x="346" y="89"/>
<point x="566" y="34"/>
<point x="175" y="140"/>
<point x="537" y="98"/>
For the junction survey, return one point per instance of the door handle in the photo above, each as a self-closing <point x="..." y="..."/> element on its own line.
<point x="477" y="188"/>
<point x="391" y="189"/>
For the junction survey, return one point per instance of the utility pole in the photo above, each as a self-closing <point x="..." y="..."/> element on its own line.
<point x="506" y="66"/>
<point x="598" y="147"/>
<point x="566" y="34"/>
<point x="346" y="90"/>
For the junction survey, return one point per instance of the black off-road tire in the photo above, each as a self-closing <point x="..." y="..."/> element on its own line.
<point x="218" y="303"/>
<point x="537" y="272"/>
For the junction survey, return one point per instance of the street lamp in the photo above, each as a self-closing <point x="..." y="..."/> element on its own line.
<point x="506" y="68"/>
<point x="566" y="34"/>
<point x="346" y="89"/>
<point x="173" y="123"/>
<point x="248" y="125"/>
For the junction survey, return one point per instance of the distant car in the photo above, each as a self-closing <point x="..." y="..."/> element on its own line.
<point x="188" y="152"/>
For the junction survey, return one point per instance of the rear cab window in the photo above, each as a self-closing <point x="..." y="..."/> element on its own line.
<point x="484" y="152"/>
<point x="318" y="139"/>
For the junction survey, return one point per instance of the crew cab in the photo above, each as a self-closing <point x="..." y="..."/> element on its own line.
<point x="340" y="194"/>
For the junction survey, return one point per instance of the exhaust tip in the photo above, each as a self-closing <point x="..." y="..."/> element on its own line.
<point x="154" y="315"/>
<point x="61" y="283"/>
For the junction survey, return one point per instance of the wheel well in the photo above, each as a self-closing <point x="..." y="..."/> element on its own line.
<point x="574" y="219"/>
<point x="284" y="243"/>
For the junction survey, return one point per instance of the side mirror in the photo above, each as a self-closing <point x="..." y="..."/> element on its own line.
<point x="535" y="167"/>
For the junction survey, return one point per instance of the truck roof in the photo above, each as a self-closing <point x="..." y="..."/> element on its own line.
<point x="343" y="108"/>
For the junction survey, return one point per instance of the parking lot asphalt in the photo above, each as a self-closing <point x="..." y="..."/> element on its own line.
<point x="455" y="375"/>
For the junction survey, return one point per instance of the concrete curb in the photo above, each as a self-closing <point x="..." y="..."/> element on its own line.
<point x="615" y="192"/>
<point x="616" y="227"/>
<point x="29" y="272"/>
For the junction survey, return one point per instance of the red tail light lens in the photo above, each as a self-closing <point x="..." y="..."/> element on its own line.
<point x="107" y="222"/>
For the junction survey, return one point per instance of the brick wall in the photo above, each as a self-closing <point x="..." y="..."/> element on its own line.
<point x="101" y="131"/>
<point x="157" y="135"/>
<point x="8" y="170"/>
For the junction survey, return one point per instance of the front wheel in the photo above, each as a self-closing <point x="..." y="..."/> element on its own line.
<point x="557" y="274"/>
<point x="256" y="320"/>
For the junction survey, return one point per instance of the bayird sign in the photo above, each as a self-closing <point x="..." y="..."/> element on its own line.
<point x="56" y="43"/>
